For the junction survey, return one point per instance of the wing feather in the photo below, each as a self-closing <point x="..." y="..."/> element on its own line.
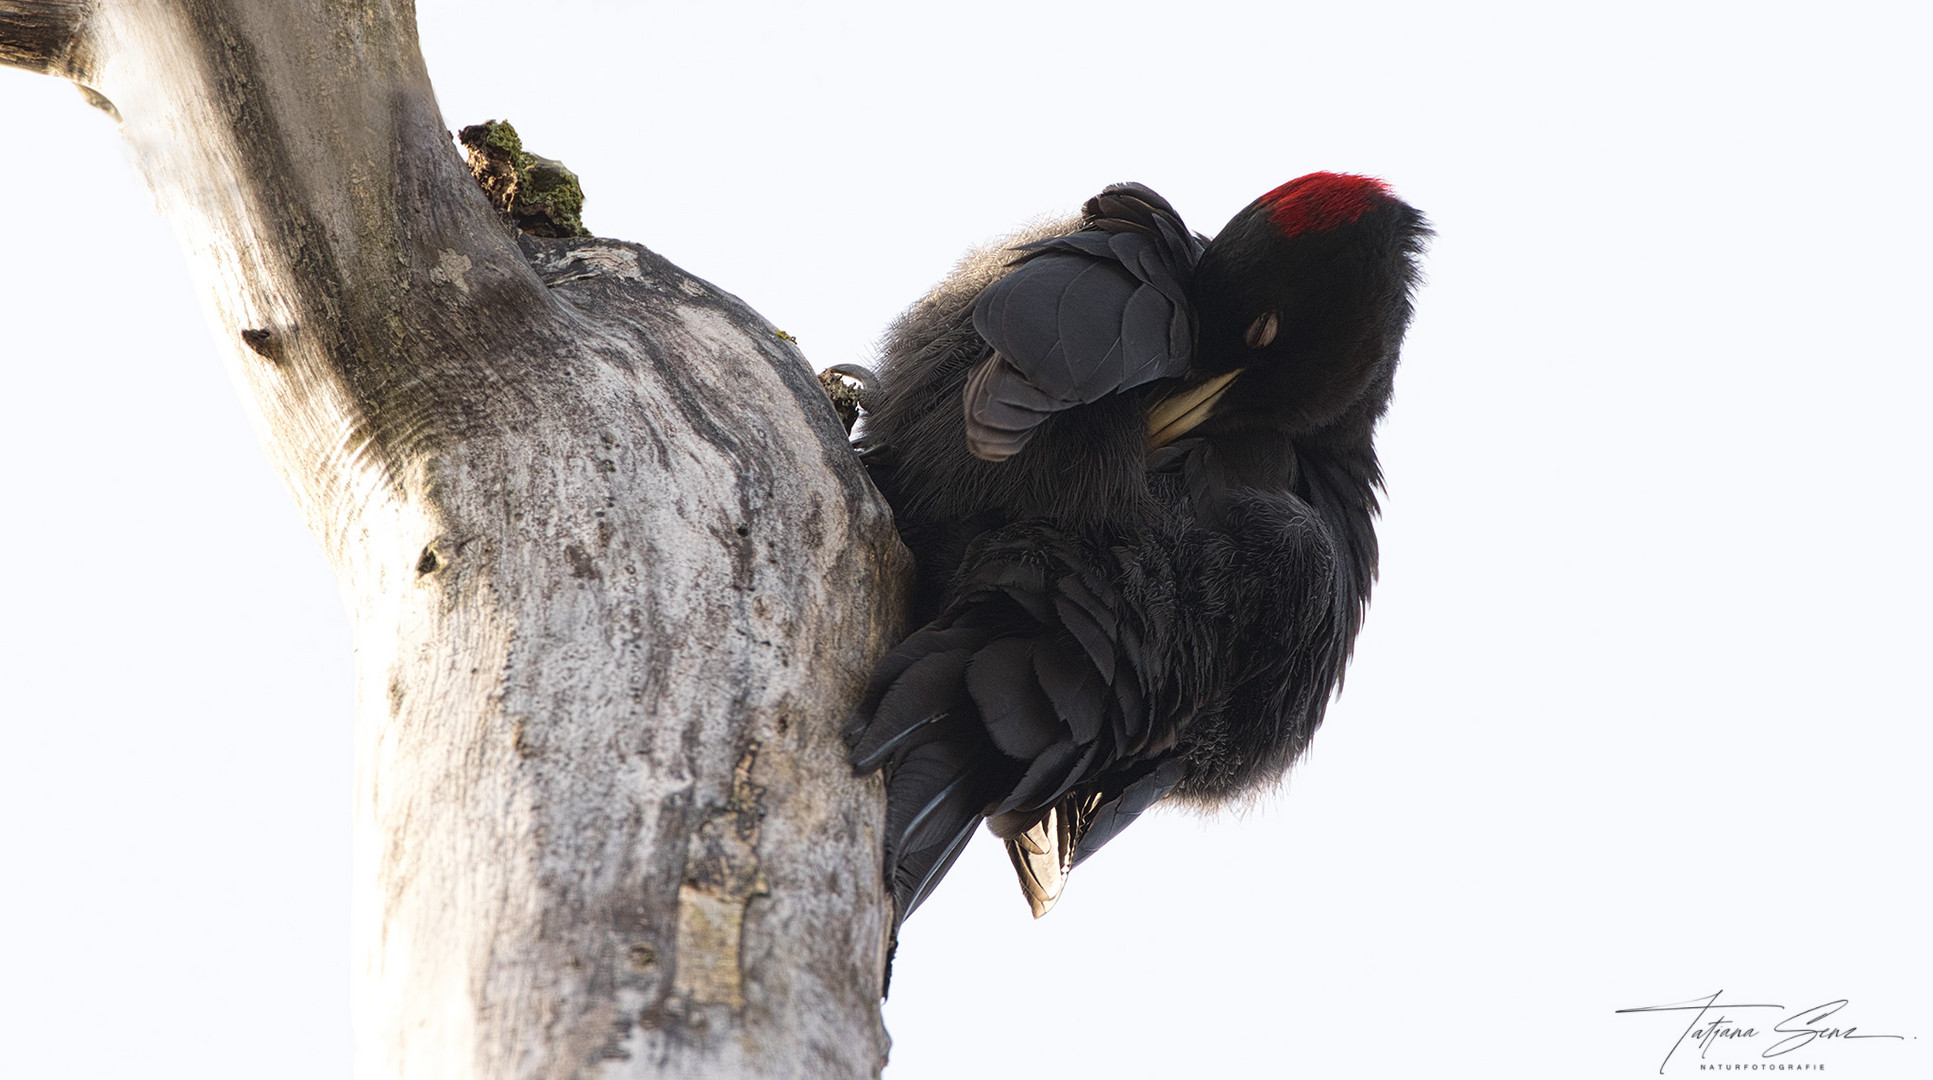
<point x="1082" y="316"/>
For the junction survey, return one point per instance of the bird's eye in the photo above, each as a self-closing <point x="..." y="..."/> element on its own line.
<point x="1261" y="331"/>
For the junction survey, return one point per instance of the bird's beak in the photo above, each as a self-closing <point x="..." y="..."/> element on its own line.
<point x="1179" y="413"/>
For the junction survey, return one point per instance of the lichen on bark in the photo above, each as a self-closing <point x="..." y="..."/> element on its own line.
<point x="541" y="195"/>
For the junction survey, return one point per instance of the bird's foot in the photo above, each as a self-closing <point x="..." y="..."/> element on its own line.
<point x="853" y="388"/>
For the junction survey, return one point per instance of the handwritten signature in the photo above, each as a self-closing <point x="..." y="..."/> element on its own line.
<point x="1798" y="1029"/>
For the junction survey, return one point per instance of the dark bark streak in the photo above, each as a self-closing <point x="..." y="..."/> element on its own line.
<point x="40" y="35"/>
<point x="423" y="373"/>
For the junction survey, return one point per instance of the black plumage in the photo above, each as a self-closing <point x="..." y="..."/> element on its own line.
<point x="1136" y="471"/>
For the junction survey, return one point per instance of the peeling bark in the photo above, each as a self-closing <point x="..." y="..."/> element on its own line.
<point x="613" y="574"/>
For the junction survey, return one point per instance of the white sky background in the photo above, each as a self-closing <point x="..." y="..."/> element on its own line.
<point x="1641" y="710"/>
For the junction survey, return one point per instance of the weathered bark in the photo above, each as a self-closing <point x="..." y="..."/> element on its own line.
<point x="38" y="36"/>
<point x="613" y="575"/>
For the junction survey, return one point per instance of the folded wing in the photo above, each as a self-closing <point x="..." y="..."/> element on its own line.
<point x="1082" y="316"/>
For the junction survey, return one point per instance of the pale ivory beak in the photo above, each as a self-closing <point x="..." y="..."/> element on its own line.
<point x="1179" y="413"/>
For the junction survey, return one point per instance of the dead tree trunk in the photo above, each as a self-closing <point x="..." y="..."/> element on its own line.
<point x="614" y="576"/>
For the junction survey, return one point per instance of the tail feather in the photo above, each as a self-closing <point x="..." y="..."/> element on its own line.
<point x="926" y="692"/>
<point x="1019" y="703"/>
<point x="920" y="824"/>
<point x="1017" y="713"/>
<point x="934" y="802"/>
<point x="875" y="756"/>
<point x="916" y="873"/>
<point x="1109" y="817"/>
<point x="1075" y="688"/>
<point x="1045" y="778"/>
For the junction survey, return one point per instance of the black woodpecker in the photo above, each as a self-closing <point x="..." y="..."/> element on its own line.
<point x="1136" y="470"/>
